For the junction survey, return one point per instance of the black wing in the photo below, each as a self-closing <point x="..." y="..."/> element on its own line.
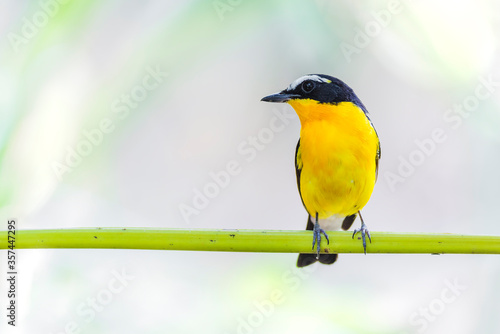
<point x="377" y="158"/>
<point x="298" y="168"/>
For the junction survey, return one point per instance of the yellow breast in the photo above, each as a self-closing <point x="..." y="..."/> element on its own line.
<point x="338" y="149"/>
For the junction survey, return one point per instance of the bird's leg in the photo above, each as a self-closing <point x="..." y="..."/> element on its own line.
<point x="364" y="231"/>
<point x="317" y="236"/>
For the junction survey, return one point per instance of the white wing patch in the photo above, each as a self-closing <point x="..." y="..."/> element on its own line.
<point x="300" y="80"/>
<point x="333" y="223"/>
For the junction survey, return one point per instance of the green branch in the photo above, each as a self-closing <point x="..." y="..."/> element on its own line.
<point x="249" y="241"/>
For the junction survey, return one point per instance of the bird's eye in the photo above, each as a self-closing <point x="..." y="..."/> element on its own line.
<point x="308" y="86"/>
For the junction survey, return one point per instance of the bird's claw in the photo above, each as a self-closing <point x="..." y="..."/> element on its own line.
<point x="364" y="232"/>
<point x="317" y="231"/>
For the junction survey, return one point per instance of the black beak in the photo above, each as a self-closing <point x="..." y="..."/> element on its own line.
<point x="280" y="97"/>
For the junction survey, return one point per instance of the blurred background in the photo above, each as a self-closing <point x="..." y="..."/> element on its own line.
<point x="122" y="113"/>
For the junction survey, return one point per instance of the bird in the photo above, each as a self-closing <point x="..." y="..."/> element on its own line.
<point x="336" y="158"/>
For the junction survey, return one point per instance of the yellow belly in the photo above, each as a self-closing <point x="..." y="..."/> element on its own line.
<point x="338" y="148"/>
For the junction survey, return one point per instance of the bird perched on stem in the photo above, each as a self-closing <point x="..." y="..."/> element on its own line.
<point x="336" y="160"/>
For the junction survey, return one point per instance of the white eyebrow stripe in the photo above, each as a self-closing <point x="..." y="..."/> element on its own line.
<point x="300" y="80"/>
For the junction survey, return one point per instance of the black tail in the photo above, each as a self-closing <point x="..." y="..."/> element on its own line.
<point x="307" y="259"/>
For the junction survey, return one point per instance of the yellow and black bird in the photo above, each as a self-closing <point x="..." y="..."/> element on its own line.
<point x="336" y="160"/>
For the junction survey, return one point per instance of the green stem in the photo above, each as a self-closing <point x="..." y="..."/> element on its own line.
<point x="249" y="241"/>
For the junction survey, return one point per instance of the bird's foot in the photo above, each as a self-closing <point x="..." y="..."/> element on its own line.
<point x="364" y="232"/>
<point x="317" y="231"/>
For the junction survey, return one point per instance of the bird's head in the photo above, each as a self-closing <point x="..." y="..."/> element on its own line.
<point x="316" y="88"/>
